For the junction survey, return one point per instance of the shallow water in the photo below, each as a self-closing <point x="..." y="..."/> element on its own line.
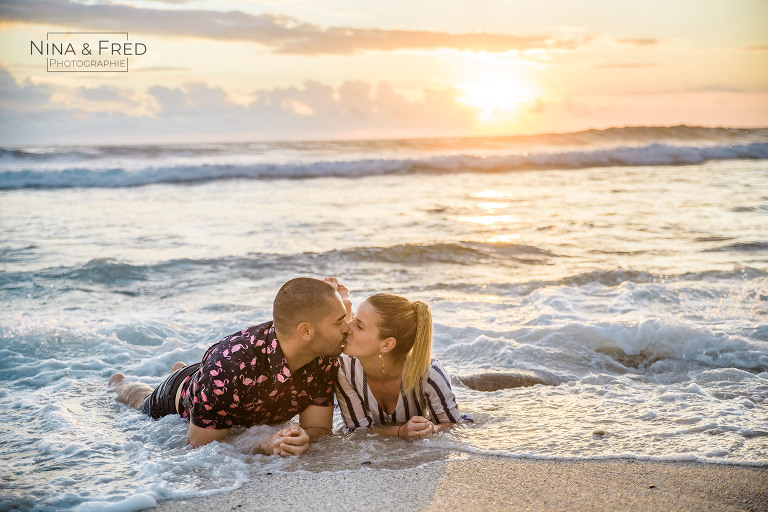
<point x="630" y="272"/>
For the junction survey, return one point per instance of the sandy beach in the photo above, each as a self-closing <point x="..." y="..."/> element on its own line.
<point x="487" y="483"/>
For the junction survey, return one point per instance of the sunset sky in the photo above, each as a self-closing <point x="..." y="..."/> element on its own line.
<point x="353" y="69"/>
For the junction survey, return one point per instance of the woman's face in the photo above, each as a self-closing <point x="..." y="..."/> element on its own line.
<point x="363" y="338"/>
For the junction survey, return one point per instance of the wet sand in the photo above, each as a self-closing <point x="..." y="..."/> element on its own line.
<point x="487" y="483"/>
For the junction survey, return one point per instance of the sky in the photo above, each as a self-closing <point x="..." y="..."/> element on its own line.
<point x="241" y="70"/>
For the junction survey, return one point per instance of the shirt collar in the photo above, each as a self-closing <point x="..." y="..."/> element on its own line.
<point x="278" y="364"/>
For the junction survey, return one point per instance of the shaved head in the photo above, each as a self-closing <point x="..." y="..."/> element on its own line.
<point x="302" y="299"/>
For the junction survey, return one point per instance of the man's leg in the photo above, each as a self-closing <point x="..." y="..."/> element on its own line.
<point x="130" y="393"/>
<point x="134" y="393"/>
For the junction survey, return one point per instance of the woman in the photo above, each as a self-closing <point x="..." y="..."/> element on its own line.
<point x="388" y="379"/>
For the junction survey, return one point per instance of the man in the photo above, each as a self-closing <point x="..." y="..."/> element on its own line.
<point x="265" y="374"/>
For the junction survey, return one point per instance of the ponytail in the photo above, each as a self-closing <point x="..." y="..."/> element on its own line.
<point x="418" y="361"/>
<point x="410" y="323"/>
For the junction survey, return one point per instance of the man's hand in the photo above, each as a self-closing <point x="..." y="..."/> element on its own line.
<point x="291" y="440"/>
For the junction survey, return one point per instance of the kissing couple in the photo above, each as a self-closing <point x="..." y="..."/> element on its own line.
<point x="377" y="361"/>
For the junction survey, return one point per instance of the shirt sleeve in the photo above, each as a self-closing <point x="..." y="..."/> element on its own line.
<point x="215" y="396"/>
<point x="350" y="403"/>
<point x="440" y="398"/>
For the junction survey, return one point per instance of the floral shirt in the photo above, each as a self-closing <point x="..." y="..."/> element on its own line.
<point x="244" y="380"/>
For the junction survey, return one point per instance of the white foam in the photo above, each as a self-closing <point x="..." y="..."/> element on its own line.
<point x="650" y="155"/>
<point x="129" y="504"/>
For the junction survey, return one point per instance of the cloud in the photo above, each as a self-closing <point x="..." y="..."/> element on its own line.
<point x="267" y="28"/>
<point x="699" y="89"/>
<point x="32" y="114"/>
<point x="345" y="40"/>
<point x="627" y="65"/>
<point x="196" y="101"/>
<point x="641" y="41"/>
<point x="104" y="93"/>
<point x="16" y="97"/>
<point x="284" y="34"/>
<point x="147" y="69"/>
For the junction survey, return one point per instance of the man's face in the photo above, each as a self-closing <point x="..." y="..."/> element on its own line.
<point x="331" y="331"/>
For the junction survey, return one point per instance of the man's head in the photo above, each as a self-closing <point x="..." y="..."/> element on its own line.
<point x="313" y="310"/>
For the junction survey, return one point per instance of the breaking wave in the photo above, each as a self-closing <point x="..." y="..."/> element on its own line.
<point x="80" y="175"/>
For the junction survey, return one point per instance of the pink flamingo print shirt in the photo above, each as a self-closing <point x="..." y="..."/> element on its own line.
<point x="244" y="380"/>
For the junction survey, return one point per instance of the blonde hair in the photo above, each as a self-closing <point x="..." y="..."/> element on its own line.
<point x="410" y="323"/>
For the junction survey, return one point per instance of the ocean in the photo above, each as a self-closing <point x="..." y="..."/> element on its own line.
<point x="625" y="269"/>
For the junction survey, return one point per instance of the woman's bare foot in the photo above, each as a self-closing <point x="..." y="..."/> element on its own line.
<point x="178" y="366"/>
<point x="130" y="393"/>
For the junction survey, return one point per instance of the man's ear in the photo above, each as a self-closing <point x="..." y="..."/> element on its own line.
<point x="388" y="344"/>
<point x="305" y="330"/>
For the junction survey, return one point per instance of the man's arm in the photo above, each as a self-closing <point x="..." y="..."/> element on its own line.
<point x="286" y="441"/>
<point x="201" y="436"/>
<point x="316" y="421"/>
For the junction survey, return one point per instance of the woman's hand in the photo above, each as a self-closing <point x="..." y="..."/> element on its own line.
<point x="416" y="428"/>
<point x="343" y="291"/>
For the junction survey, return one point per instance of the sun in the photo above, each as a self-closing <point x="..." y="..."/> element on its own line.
<point x="496" y="98"/>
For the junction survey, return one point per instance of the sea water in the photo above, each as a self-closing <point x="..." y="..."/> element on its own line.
<point x="627" y="269"/>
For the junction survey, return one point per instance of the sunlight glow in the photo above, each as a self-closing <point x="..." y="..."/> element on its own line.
<point x="503" y="239"/>
<point x="492" y="205"/>
<point x="492" y="194"/>
<point x="496" y="98"/>
<point x="490" y="220"/>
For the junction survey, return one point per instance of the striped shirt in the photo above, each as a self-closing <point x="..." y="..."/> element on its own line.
<point x="432" y="398"/>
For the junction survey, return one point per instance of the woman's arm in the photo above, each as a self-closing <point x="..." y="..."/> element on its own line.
<point x="418" y="427"/>
<point x="343" y="291"/>
<point x="385" y="430"/>
<point x="439" y="395"/>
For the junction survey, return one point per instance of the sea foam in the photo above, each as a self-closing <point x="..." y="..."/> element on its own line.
<point x="656" y="154"/>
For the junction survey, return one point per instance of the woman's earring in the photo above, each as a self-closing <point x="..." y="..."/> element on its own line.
<point x="382" y="363"/>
